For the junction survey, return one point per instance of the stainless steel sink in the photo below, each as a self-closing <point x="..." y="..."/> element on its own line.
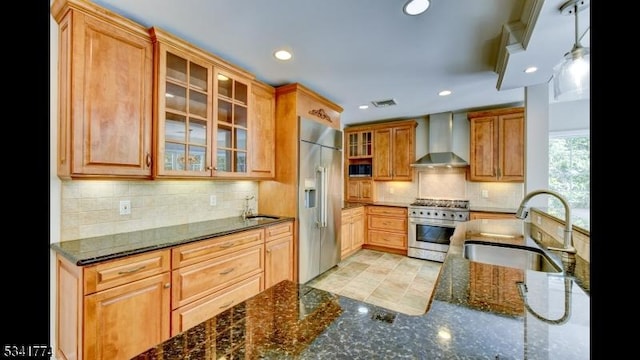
<point x="513" y="256"/>
<point x="262" y="217"/>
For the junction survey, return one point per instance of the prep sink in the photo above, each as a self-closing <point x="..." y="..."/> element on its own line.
<point x="509" y="255"/>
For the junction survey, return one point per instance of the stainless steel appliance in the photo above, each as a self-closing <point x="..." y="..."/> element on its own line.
<point x="360" y="170"/>
<point x="431" y="224"/>
<point x="320" y="197"/>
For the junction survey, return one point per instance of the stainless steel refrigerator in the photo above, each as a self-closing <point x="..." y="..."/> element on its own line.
<point x="320" y="197"/>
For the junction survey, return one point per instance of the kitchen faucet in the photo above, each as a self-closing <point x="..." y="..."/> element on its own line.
<point x="568" y="252"/>
<point x="247" y="211"/>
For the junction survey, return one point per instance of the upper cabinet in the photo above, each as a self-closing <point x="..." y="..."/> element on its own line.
<point x="262" y="120"/>
<point x="359" y="144"/>
<point x="105" y="71"/>
<point x="497" y="145"/>
<point x="138" y="102"/>
<point x="202" y="112"/>
<point x="394" y="150"/>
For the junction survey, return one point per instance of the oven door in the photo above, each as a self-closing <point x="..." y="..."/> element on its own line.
<point x="429" y="239"/>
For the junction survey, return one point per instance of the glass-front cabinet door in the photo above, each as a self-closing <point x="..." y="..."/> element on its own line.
<point x="184" y="112"/>
<point x="360" y="144"/>
<point x="232" y="99"/>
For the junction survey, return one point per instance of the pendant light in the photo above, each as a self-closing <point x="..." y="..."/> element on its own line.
<point x="571" y="77"/>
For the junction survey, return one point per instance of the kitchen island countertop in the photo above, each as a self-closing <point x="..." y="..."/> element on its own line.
<point x="474" y="313"/>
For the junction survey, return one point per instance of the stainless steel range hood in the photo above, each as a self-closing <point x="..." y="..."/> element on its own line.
<point x="441" y="141"/>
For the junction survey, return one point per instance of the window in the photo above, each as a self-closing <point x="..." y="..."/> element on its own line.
<point x="569" y="164"/>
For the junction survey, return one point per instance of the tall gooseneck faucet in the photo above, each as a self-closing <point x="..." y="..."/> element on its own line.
<point x="568" y="252"/>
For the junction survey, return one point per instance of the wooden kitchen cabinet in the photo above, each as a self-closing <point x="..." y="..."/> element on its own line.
<point x="359" y="143"/>
<point x="211" y="275"/>
<point x="494" y="288"/>
<point x="202" y="112"/>
<point x="360" y="190"/>
<point x="112" y="310"/>
<point x="394" y="151"/>
<point x="387" y="229"/>
<point x="278" y="263"/>
<point x="262" y="122"/>
<point x="475" y="215"/>
<point x="352" y="231"/>
<point x="497" y="145"/>
<point x="105" y="82"/>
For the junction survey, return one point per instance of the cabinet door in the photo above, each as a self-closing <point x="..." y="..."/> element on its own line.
<point x="126" y="320"/>
<point x="106" y="82"/>
<point x="262" y="131"/>
<point x="278" y="261"/>
<point x="403" y="153"/>
<point x="232" y="124"/>
<point x="382" y="166"/>
<point x="357" y="228"/>
<point x="511" y="160"/>
<point x="359" y="144"/>
<point x="184" y="114"/>
<point x="345" y="233"/>
<point x="484" y="149"/>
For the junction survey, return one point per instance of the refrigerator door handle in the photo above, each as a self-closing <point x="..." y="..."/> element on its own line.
<point x="323" y="196"/>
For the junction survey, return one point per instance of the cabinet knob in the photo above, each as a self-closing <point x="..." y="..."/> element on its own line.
<point x="209" y="168"/>
<point x="167" y="285"/>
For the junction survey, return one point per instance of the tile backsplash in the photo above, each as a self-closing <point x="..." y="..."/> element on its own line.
<point x="91" y="207"/>
<point x="495" y="194"/>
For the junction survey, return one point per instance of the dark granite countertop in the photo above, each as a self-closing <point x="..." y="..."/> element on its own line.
<point x="89" y="251"/>
<point x="463" y="320"/>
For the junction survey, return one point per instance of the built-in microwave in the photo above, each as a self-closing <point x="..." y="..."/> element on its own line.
<point x="359" y="170"/>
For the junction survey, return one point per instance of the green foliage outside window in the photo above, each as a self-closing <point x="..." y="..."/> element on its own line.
<point x="569" y="175"/>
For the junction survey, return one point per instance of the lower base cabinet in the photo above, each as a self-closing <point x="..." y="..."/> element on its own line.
<point x="352" y="231"/>
<point x="387" y="229"/>
<point x="278" y="264"/>
<point x="117" y="309"/>
<point x="113" y="310"/>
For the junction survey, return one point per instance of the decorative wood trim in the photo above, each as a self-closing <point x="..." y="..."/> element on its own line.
<point x="321" y="114"/>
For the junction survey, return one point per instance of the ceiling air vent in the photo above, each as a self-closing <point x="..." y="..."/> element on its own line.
<point x="384" y="103"/>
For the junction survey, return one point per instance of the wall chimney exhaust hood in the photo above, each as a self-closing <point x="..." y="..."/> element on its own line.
<point x="441" y="140"/>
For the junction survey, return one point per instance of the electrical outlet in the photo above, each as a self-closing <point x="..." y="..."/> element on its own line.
<point x="213" y="200"/>
<point x="125" y="207"/>
<point x="560" y="231"/>
<point x="485" y="193"/>
<point x="391" y="190"/>
<point x="539" y="220"/>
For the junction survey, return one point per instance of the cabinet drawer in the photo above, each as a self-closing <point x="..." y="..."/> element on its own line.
<point x="387" y="239"/>
<point x="207" y="249"/>
<point x="117" y="272"/>
<point x="195" y="281"/>
<point x="387" y="210"/>
<point x="278" y="231"/>
<point x="207" y="307"/>
<point x="388" y="223"/>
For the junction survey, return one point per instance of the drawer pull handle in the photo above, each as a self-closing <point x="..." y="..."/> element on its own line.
<point x="227" y="271"/>
<point x="131" y="271"/>
<point x="226" y="305"/>
<point x="227" y="245"/>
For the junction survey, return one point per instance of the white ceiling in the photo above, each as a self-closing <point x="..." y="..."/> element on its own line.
<point x="357" y="51"/>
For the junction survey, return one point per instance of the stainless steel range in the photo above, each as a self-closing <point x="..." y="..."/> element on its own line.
<point x="431" y="225"/>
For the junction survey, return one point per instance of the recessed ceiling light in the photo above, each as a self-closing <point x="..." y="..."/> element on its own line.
<point x="363" y="107"/>
<point x="282" y="55"/>
<point x="416" y="7"/>
<point x="444" y="92"/>
<point x="531" y="69"/>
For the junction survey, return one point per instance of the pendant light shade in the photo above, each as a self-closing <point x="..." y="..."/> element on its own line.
<point x="571" y="77"/>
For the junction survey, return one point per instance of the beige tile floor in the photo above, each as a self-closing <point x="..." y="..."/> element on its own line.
<point x="395" y="282"/>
